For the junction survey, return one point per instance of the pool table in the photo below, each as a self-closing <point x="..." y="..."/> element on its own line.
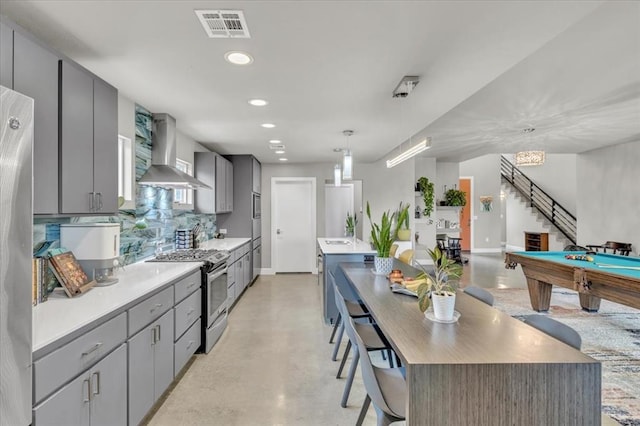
<point x="609" y="276"/>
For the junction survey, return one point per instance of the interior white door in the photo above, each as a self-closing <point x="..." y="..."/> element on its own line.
<point x="338" y="200"/>
<point x="294" y="224"/>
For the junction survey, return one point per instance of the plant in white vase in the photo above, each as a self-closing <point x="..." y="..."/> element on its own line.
<point x="440" y="289"/>
<point x="350" y="225"/>
<point x="382" y="236"/>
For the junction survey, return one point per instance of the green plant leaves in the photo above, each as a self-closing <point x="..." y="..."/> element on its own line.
<point x="381" y="235"/>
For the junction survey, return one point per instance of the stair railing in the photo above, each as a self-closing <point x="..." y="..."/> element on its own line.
<point x="555" y="213"/>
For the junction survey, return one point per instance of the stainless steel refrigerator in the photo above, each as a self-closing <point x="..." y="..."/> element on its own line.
<point x="16" y="235"/>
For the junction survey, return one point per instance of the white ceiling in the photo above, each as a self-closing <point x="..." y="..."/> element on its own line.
<point x="487" y="70"/>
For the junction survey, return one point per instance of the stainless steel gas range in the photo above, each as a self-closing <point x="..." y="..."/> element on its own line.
<point x="214" y="289"/>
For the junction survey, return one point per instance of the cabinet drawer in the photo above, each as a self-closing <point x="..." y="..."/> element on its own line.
<point x="187" y="285"/>
<point x="245" y="248"/>
<point x="186" y="346"/>
<point x="55" y="369"/>
<point x="147" y="311"/>
<point x="231" y="275"/>
<point x="187" y="312"/>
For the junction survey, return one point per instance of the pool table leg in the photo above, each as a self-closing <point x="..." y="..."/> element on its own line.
<point x="589" y="303"/>
<point x="540" y="294"/>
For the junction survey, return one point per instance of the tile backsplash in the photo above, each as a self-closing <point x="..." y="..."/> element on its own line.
<point x="153" y="222"/>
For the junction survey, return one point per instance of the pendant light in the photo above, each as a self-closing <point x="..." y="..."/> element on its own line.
<point x="337" y="175"/>
<point x="529" y="158"/>
<point x="347" y="159"/>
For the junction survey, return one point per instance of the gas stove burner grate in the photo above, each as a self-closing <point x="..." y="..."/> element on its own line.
<point x="191" y="255"/>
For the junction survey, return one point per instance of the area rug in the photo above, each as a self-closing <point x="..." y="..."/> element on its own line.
<point x="612" y="336"/>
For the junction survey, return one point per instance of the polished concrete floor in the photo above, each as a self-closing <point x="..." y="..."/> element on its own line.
<point x="272" y="365"/>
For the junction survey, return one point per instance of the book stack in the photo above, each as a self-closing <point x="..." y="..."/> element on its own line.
<point x="41" y="278"/>
<point x="67" y="270"/>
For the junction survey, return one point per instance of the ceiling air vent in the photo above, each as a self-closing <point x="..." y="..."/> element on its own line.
<point x="223" y="23"/>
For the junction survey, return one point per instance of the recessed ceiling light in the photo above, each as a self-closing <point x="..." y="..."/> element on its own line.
<point x="280" y="151"/>
<point x="258" y="102"/>
<point x="282" y="159"/>
<point x="238" y="58"/>
<point x="275" y="141"/>
<point x="268" y="125"/>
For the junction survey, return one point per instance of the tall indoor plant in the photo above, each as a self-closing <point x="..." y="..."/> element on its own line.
<point x="441" y="288"/>
<point x="382" y="236"/>
<point x="426" y="188"/>
<point x="403" y="232"/>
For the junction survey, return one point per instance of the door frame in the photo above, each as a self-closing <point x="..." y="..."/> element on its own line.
<point x="471" y="212"/>
<point x="274" y="253"/>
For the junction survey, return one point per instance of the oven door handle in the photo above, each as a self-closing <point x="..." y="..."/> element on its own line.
<point x="216" y="274"/>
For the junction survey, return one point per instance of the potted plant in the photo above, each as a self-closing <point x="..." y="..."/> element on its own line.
<point x="403" y="233"/>
<point x="426" y="190"/>
<point x="440" y="289"/>
<point x="455" y="197"/>
<point x="350" y="225"/>
<point x="382" y="236"/>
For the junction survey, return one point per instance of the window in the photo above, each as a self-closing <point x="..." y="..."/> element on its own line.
<point x="125" y="172"/>
<point x="183" y="197"/>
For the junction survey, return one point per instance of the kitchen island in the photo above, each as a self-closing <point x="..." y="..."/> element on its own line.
<point x="486" y="369"/>
<point x="332" y="251"/>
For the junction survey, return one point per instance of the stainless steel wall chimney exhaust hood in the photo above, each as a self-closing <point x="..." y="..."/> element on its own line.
<point x="162" y="172"/>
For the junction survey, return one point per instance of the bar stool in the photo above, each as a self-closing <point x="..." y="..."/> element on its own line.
<point x="386" y="388"/>
<point x="373" y="340"/>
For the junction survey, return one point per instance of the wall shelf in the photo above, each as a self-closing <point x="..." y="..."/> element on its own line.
<point x="445" y="230"/>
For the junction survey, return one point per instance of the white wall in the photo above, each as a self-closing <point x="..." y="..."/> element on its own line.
<point x="383" y="188"/>
<point x="447" y="175"/>
<point x="487" y="226"/>
<point x="556" y="177"/>
<point x="186" y="146"/>
<point x="608" y="195"/>
<point x="126" y="117"/>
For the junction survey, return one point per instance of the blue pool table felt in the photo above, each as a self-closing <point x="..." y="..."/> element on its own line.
<point x="599" y="258"/>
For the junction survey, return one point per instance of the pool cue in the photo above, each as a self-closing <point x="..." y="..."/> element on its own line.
<point x="604" y="265"/>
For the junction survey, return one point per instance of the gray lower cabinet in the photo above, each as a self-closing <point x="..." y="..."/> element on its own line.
<point x="257" y="261"/>
<point x="98" y="397"/>
<point x="248" y="270"/>
<point x="150" y="366"/>
<point x="36" y="75"/>
<point x="88" y="143"/>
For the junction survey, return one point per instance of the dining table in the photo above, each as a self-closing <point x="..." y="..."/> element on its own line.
<point x="487" y="368"/>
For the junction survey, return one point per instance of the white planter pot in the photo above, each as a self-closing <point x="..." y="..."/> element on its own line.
<point x="383" y="265"/>
<point x="443" y="306"/>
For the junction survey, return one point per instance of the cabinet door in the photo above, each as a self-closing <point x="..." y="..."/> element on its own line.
<point x="256" y="176"/>
<point x="229" y="186"/>
<point x="69" y="406"/>
<point x="6" y="56"/>
<point x="257" y="261"/>
<point x="141" y="373"/>
<point x="240" y="272"/>
<point x="105" y="146"/>
<point x="76" y="145"/>
<point x="163" y="354"/>
<point x="36" y="75"/>
<point x="221" y="185"/>
<point x="248" y="270"/>
<point x="109" y="390"/>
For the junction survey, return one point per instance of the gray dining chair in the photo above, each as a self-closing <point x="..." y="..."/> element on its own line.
<point x="480" y="294"/>
<point x="372" y="341"/>
<point x="355" y="308"/>
<point x="386" y="387"/>
<point x="554" y="328"/>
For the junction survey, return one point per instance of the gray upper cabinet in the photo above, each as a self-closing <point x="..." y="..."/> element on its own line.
<point x="6" y="56"/>
<point x="88" y="144"/>
<point x="36" y="75"/>
<point x="217" y="172"/>
<point x="256" y="176"/>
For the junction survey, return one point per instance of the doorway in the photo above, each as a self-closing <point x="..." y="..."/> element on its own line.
<point x="465" y="215"/>
<point x="293" y="224"/>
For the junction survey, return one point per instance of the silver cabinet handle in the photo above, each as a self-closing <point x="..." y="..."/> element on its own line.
<point x="190" y="286"/>
<point x="192" y="310"/>
<point x="154" y="338"/>
<point x="92" y="349"/>
<point x="91" y="201"/>
<point x="96" y="375"/>
<point x="99" y="194"/>
<point x="157" y="305"/>
<point x="87" y="396"/>
<point x="158" y="327"/>
<point x="191" y="342"/>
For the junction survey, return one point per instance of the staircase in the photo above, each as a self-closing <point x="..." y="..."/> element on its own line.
<point x="545" y="206"/>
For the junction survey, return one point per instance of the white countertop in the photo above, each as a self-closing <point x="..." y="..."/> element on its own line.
<point x="60" y="315"/>
<point x="358" y="247"/>
<point x="224" y="243"/>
